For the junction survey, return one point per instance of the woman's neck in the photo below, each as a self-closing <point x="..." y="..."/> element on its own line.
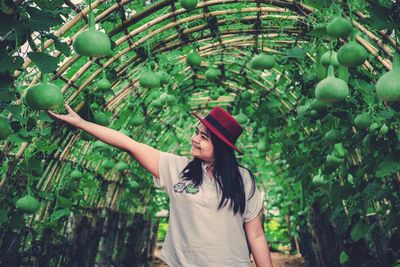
<point x="209" y="167"/>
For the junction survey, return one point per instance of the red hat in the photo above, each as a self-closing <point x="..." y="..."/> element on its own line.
<point x="223" y="125"/>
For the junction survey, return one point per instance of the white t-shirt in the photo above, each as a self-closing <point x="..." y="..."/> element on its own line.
<point x="198" y="233"/>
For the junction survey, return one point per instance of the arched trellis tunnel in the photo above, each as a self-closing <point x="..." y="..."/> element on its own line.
<point x="324" y="149"/>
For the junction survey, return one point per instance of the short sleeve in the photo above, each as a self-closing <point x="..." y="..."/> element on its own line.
<point x="255" y="203"/>
<point x="170" y="166"/>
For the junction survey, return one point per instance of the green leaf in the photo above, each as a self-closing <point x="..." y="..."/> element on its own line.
<point x="343" y="257"/>
<point x="58" y="214"/>
<point x="358" y="231"/>
<point x="62" y="47"/>
<point x="10" y="63"/>
<point x="43" y="116"/>
<point x="64" y="202"/>
<point x="296" y="52"/>
<point x="42" y="20"/>
<point x="386" y="168"/>
<point x="3" y="216"/>
<point x="7" y="96"/>
<point x="44" y="62"/>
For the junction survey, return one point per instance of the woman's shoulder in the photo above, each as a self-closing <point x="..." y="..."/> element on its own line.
<point x="169" y="156"/>
<point x="245" y="173"/>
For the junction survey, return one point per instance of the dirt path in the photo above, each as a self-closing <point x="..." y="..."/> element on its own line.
<point x="278" y="260"/>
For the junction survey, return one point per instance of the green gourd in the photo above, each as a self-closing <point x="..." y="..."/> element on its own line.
<point x="91" y="42"/>
<point x="76" y="174"/>
<point x="28" y="203"/>
<point x="104" y="83"/>
<point x="331" y="89"/>
<point x="332" y="136"/>
<point x="339" y="151"/>
<point x="101" y="118"/>
<point x="241" y="118"/>
<point x="44" y="95"/>
<point x="352" y="54"/>
<point x="5" y="128"/>
<point x="164" y="77"/>
<point x="388" y="85"/>
<point x="214" y="95"/>
<point x="363" y="120"/>
<point x="339" y="28"/>
<point x="107" y="164"/>
<point x="329" y="58"/>
<point x="262" y="61"/>
<point x="384" y="129"/>
<point x="121" y="166"/>
<point x="149" y="79"/>
<point x="212" y="74"/>
<point x="188" y="4"/>
<point x="194" y="59"/>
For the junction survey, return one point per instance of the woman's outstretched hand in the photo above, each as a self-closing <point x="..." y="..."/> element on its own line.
<point x="72" y="117"/>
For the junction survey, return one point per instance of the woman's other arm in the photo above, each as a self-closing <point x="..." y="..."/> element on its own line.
<point x="257" y="242"/>
<point x="146" y="155"/>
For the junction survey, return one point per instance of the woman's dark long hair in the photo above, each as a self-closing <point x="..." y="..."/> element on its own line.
<point x="226" y="173"/>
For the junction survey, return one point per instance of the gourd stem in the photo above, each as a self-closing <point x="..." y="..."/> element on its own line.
<point x="331" y="71"/>
<point x="396" y="61"/>
<point x="44" y="78"/>
<point x="104" y="75"/>
<point x="91" y="21"/>
<point x="353" y="36"/>
<point x="91" y="17"/>
<point x="28" y="186"/>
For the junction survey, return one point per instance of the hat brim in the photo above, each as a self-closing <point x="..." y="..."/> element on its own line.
<point x="217" y="133"/>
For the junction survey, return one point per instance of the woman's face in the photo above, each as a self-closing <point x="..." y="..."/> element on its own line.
<point x="202" y="146"/>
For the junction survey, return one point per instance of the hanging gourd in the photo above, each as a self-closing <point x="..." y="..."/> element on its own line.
<point x="104" y="83"/>
<point x="76" y="174"/>
<point x="339" y="151"/>
<point x="363" y="121"/>
<point x="329" y="58"/>
<point x="5" y="128"/>
<point x="214" y="95"/>
<point x="91" y="42"/>
<point x="384" y="129"/>
<point x="28" y="203"/>
<point x="121" y="166"/>
<point x="388" y="85"/>
<point x="149" y="79"/>
<point x="331" y="89"/>
<point x="352" y="54"/>
<point x="164" y="77"/>
<point x="241" y="118"/>
<point x="339" y="28"/>
<point x="332" y="136"/>
<point x="107" y="164"/>
<point x="212" y="73"/>
<point x="188" y="4"/>
<point x="194" y="59"/>
<point x="44" y="95"/>
<point x="101" y="118"/>
<point x="262" y="62"/>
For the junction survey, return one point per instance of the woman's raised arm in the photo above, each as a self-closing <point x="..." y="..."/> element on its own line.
<point x="146" y="155"/>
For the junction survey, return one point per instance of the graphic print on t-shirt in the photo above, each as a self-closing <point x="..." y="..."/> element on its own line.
<point x="187" y="187"/>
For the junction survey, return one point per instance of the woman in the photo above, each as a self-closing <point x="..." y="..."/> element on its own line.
<point x="214" y="203"/>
